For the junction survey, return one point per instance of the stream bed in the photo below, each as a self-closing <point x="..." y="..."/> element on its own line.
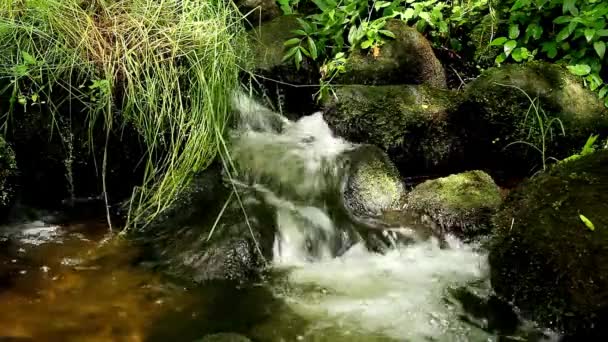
<point x="73" y="283"/>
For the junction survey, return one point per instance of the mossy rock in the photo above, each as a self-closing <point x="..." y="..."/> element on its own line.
<point x="496" y="114"/>
<point x="374" y="184"/>
<point x="409" y="122"/>
<point x="545" y="260"/>
<point x="462" y="203"/>
<point x="8" y="172"/>
<point x="407" y="59"/>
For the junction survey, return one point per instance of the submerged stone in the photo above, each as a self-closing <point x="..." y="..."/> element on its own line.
<point x="545" y="259"/>
<point x="462" y="203"/>
<point x="407" y="59"/>
<point x="410" y="123"/>
<point x="497" y="117"/>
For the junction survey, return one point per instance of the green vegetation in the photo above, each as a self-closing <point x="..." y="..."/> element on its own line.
<point x="8" y="170"/>
<point x="167" y="68"/>
<point x="567" y="31"/>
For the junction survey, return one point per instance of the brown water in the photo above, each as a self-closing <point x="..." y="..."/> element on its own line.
<point x="71" y="283"/>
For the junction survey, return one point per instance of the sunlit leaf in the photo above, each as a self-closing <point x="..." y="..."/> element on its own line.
<point x="587" y="222"/>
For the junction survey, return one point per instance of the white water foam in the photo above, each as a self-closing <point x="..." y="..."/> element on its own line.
<point x="399" y="295"/>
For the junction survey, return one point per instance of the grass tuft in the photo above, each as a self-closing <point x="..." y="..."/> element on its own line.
<point x="166" y="67"/>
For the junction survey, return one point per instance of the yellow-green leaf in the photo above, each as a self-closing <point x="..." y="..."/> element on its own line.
<point x="587" y="222"/>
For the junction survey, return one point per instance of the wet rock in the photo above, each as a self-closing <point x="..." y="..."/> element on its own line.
<point x="407" y="59"/>
<point x="462" y="203"/>
<point x="374" y="184"/>
<point x="545" y="260"/>
<point x="495" y="114"/>
<point x="8" y="172"/>
<point x="225" y="337"/>
<point x="410" y="123"/>
<point x="258" y="10"/>
<point x="206" y="236"/>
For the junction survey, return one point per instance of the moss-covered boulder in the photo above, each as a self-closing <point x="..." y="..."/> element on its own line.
<point x="407" y="59"/>
<point x="373" y="185"/>
<point x="462" y="203"/>
<point x="8" y="170"/>
<point x="497" y="112"/>
<point x="409" y="122"/>
<point x="545" y="259"/>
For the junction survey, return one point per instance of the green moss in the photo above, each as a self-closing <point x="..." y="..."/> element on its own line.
<point x="8" y="170"/>
<point x="408" y="59"/>
<point x="461" y="202"/>
<point x="374" y="184"/>
<point x="545" y="260"/>
<point x="409" y="122"/>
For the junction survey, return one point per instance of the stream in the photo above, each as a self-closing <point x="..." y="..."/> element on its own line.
<point x="74" y="283"/>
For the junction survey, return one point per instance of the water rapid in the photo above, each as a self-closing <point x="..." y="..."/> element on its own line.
<point x="328" y="274"/>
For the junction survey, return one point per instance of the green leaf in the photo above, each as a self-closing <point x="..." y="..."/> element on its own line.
<point x="563" y="34"/>
<point x="500" y="41"/>
<point x="381" y="4"/>
<point x="513" y="31"/>
<point x="562" y="20"/>
<point x="426" y="17"/>
<point x="550" y="48"/>
<point x="600" y="48"/>
<point x="28" y="59"/>
<point x="603" y="92"/>
<point x="570" y="6"/>
<point x="292" y="41"/>
<point x="517" y="55"/>
<point x="298" y="58"/>
<point x="387" y="33"/>
<point x="509" y="46"/>
<point x="366" y="44"/>
<point x="409" y="14"/>
<point x="589" y="33"/>
<point x="501" y="58"/>
<point x="290" y="53"/>
<point x="580" y="69"/>
<point x="313" y="48"/>
<point x="587" y="222"/>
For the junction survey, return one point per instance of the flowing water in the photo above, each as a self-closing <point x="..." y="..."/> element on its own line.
<point x="70" y="283"/>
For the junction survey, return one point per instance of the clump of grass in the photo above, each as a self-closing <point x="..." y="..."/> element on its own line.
<point x="166" y="67"/>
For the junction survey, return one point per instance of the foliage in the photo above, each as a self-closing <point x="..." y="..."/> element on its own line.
<point x="588" y="148"/>
<point x="339" y="26"/>
<point x="166" y="67"/>
<point x="540" y="128"/>
<point x="570" y="31"/>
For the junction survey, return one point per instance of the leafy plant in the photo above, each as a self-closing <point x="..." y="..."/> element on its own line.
<point x="587" y="222"/>
<point x="588" y="148"/>
<point x="569" y="31"/>
<point x="540" y="128"/>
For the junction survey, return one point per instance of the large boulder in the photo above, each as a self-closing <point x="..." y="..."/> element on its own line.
<point x="407" y="59"/>
<point x="497" y="112"/>
<point x="409" y="122"/>
<point x="8" y="171"/>
<point x="545" y="259"/>
<point x="462" y="203"/>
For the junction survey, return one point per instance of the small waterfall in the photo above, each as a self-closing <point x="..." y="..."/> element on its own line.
<point x="298" y="168"/>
